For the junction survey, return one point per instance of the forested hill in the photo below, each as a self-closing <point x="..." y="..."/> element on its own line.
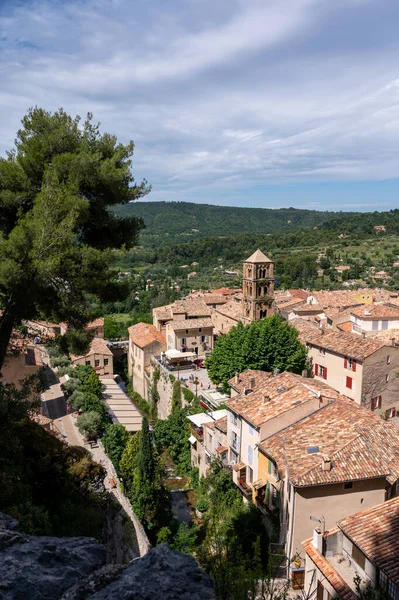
<point x="173" y="222"/>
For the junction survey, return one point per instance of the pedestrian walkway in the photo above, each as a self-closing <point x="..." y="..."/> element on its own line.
<point x="121" y="408"/>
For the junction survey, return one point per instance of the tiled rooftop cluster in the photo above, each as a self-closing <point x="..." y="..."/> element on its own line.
<point x="354" y="439"/>
<point x="143" y="334"/>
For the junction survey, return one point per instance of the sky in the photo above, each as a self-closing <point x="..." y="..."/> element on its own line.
<point x="265" y="103"/>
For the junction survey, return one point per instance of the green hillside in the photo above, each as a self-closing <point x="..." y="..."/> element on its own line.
<point x="177" y="222"/>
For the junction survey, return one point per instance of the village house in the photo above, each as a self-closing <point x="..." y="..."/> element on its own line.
<point x="333" y="462"/>
<point x="374" y="317"/>
<point x="266" y="404"/>
<point x="190" y="335"/>
<point x="208" y="439"/>
<point x="99" y="356"/>
<point x="190" y="308"/>
<point x="362" y="369"/>
<point x="23" y="358"/>
<point x="145" y="341"/>
<point x="363" y="545"/>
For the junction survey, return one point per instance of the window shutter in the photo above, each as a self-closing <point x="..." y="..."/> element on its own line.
<point x="393" y="412"/>
<point x="269" y="466"/>
<point x="353" y="365"/>
<point x="345" y="363"/>
<point x="267" y="493"/>
<point x="349" y="382"/>
<point x="372" y="404"/>
<point x="316" y="369"/>
<point x="379" y="402"/>
<point x="325" y="372"/>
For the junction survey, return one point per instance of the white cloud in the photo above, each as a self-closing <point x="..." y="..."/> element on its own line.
<point x="219" y="97"/>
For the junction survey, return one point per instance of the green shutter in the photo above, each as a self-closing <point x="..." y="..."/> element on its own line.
<point x="269" y="466"/>
<point x="267" y="493"/>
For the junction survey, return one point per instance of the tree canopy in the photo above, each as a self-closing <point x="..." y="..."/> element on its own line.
<point x="56" y="230"/>
<point x="264" y="345"/>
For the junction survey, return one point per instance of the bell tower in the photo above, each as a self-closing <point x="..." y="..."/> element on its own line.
<point x="257" y="287"/>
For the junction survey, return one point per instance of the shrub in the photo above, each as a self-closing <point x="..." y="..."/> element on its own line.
<point x="188" y="395"/>
<point x="72" y="384"/>
<point x="202" y="505"/>
<point x="60" y="361"/>
<point x="172" y="378"/>
<point x="90" y="425"/>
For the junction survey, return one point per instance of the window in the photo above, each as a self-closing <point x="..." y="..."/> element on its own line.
<point x="375" y="326"/>
<point x="376" y="402"/>
<point x="250" y="475"/>
<point x="388" y="585"/>
<point x="250" y="455"/>
<point x="200" y="329"/>
<point x="388" y="360"/>
<point x="321" y="371"/>
<point x="390" y="413"/>
<point x="96" y="363"/>
<point x="105" y="362"/>
<point x="87" y="362"/>
<point x="273" y="496"/>
<point x="358" y="556"/>
<point x="384" y="325"/>
<point x="349" y="382"/>
<point x="250" y="429"/>
<point x="183" y="342"/>
<point x="387" y="378"/>
<point x="234" y="439"/>
<point x="209" y="438"/>
<point x="322" y="352"/>
<point x="348" y="485"/>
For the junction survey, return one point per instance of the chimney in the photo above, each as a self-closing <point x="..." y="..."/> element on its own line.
<point x="326" y="463"/>
<point x="266" y="398"/>
<point x="304" y="373"/>
<point x="252" y="383"/>
<point x="318" y="540"/>
<point x="237" y="379"/>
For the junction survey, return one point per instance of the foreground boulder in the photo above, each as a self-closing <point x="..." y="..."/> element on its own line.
<point x="47" y="568"/>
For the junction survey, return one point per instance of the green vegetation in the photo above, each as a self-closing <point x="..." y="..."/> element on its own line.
<point x="56" y="229"/>
<point x="45" y="484"/>
<point x="170" y="222"/>
<point x="264" y="345"/>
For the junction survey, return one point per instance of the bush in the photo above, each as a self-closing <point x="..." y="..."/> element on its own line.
<point x="202" y="505"/>
<point x="90" y="425"/>
<point x="60" y="361"/>
<point x="188" y="394"/>
<point x="172" y="378"/>
<point x="72" y="384"/>
<point x="115" y="439"/>
<point x="139" y="401"/>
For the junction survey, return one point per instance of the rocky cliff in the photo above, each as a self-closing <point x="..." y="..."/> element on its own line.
<point x="47" y="568"/>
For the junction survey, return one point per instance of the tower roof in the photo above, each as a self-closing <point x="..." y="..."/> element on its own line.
<point x="258" y="257"/>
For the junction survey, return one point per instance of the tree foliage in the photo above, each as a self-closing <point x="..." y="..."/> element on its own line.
<point x="265" y="345"/>
<point x="90" y="425"/>
<point x="115" y="439"/>
<point x="56" y="229"/>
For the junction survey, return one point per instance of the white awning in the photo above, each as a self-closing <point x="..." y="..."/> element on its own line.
<point x="192" y="439"/>
<point x="172" y="353"/>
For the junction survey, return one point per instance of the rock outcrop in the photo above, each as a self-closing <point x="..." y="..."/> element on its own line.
<point x="47" y="568"/>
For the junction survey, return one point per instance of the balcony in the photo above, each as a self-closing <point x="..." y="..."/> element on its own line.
<point x="240" y="479"/>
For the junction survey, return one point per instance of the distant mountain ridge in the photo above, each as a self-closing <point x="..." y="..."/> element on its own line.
<point x="172" y="222"/>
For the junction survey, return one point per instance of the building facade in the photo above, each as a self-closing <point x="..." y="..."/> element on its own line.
<point x="257" y="287"/>
<point x="145" y="341"/>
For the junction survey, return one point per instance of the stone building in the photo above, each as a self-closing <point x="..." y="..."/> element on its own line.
<point x="257" y="287"/>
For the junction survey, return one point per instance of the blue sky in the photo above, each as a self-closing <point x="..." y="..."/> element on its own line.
<point x="264" y="103"/>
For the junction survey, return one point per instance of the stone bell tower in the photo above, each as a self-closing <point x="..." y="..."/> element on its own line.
<point x="257" y="287"/>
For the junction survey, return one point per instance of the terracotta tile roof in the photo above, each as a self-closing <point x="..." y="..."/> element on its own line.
<point x="97" y="346"/>
<point x="232" y="309"/>
<point x="225" y="291"/>
<point x="245" y="380"/>
<point x="360" y="445"/>
<point x="337" y="298"/>
<point x="96" y="323"/>
<point x="143" y="334"/>
<point x="163" y="314"/>
<point x="324" y="566"/>
<point x="332" y="313"/>
<point x="307" y="308"/>
<point x="303" y="294"/>
<point x="192" y="307"/>
<point x="220" y="424"/>
<point x="214" y="299"/>
<point x="190" y="324"/>
<point x="346" y="344"/>
<point x="389" y="336"/>
<point x="376" y="532"/>
<point x="347" y="326"/>
<point x="277" y="395"/>
<point x="292" y="303"/>
<point x="376" y="311"/>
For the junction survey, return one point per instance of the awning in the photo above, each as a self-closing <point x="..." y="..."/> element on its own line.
<point x="221" y="449"/>
<point x="192" y="439"/>
<point x="257" y="485"/>
<point x="172" y="353"/>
